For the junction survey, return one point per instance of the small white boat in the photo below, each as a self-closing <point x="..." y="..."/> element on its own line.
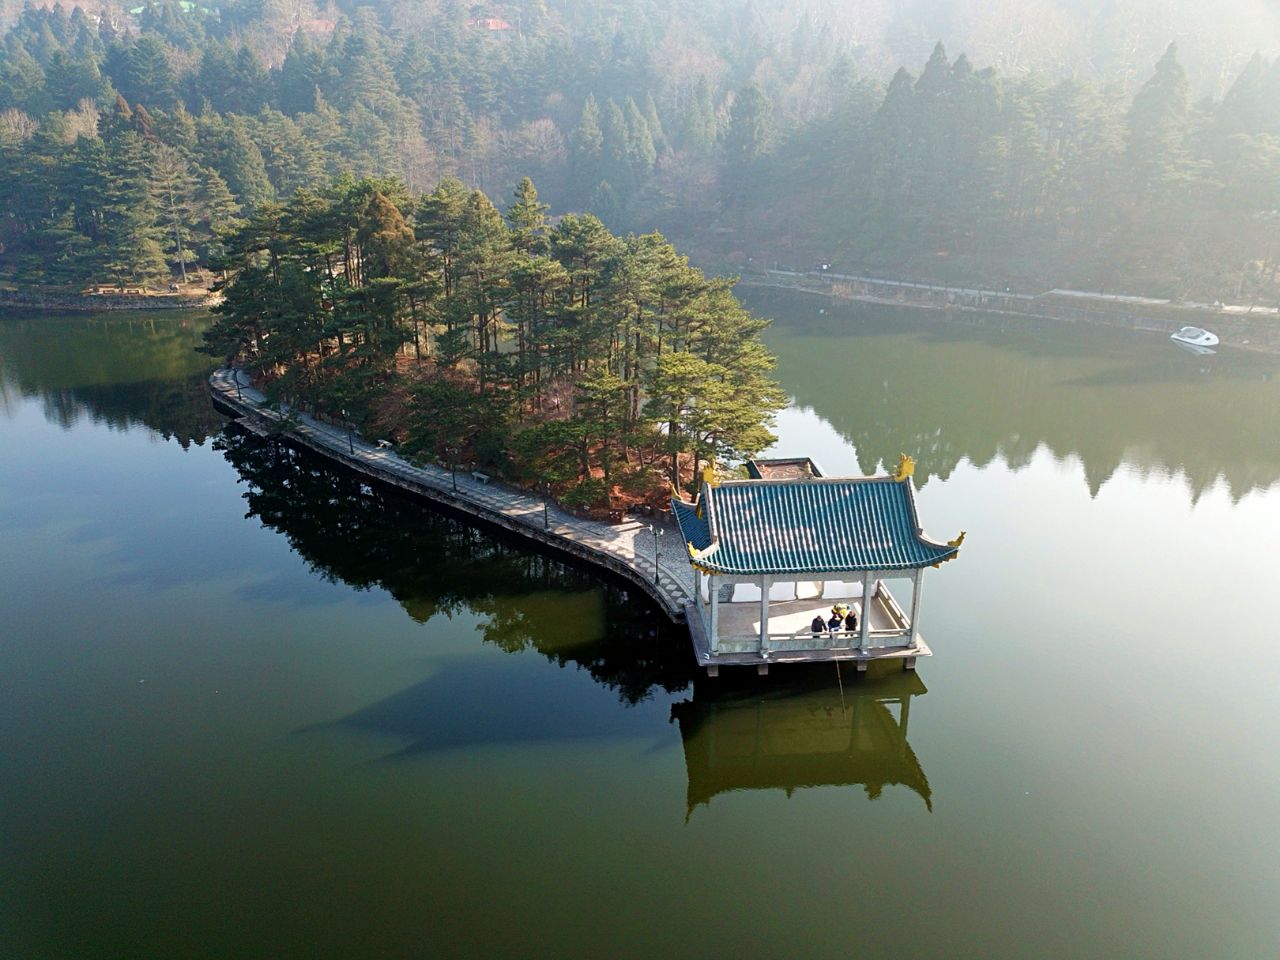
<point x="1195" y="337"/>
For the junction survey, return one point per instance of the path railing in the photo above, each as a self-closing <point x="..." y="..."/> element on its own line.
<point x="627" y="549"/>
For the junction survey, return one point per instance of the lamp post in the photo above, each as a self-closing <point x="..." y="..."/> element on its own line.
<point x="546" y="522"/>
<point x="453" y="465"/>
<point x="657" y="532"/>
<point x="235" y="372"/>
<point x="351" y="446"/>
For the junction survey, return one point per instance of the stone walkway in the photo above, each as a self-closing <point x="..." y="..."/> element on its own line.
<point x="629" y="545"/>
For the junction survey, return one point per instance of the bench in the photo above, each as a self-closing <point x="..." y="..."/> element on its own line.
<point x="385" y="444"/>
<point x="481" y="477"/>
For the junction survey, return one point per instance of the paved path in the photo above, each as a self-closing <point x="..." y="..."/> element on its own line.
<point x="626" y="548"/>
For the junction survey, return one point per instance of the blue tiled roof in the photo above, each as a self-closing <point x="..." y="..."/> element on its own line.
<point x="693" y="528"/>
<point x="809" y="526"/>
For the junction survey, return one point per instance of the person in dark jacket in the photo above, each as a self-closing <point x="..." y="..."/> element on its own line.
<point x="818" y="625"/>
<point x="835" y="623"/>
<point x="851" y="620"/>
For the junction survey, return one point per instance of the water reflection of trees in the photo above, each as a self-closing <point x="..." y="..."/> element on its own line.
<point x="806" y="733"/>
<point x="122" y="372"/>
<point x="992" y="388"/>
<point x="435" y="564"/>
<point x="177" y="410"/>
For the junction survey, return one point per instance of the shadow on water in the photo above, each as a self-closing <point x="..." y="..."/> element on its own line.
<point x="986" y="388"/>
<point x="802" y="730"/>
<point x="475" y="703"/>
<point x="435" y="564"/>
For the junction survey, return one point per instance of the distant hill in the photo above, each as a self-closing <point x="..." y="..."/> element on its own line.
<point x="1086" y="39"/>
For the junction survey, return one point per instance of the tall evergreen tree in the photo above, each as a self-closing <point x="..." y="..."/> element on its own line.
<point x="132" y="235"/>
<point x="1157" y="123"/>
<point x="749" y="129"/>
<point x="587" y="148"/>
<point x="698" y="128"/>
<point x="300" y="76"/>
<point x="528" y="218"/>
<point x="641" y="152"/>
<point x="174" y="189"/>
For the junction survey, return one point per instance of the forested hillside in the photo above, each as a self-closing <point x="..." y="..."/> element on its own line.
<point x="1055" y="38"/>
<point x="131" y="140"/>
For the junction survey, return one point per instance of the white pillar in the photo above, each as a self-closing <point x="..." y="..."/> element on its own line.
<point x="764" y="615"/>
<point x="714" y="589"/>
<point x="915" y="607"/>
<point x="867" y="585"/>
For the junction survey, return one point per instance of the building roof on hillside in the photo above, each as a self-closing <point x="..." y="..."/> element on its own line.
<point x="821" y="525"/>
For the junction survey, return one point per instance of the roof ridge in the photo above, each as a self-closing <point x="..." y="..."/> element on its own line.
<point x="777" y="481"/>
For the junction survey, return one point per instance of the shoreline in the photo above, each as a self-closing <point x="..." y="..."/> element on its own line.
<point x="1253" y="333"/>
<point x="83" y="303"/>
<point x="625" y="550"/>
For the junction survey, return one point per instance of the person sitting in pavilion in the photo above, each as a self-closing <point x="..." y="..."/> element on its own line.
<point x="836" y="622"/>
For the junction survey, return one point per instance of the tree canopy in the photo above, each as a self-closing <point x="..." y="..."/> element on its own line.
<point x="561" y="355"/>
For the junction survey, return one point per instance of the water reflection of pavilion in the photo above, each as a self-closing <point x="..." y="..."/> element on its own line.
<point x="791" y="739"/>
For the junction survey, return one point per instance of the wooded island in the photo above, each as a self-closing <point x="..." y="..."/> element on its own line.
<point x="560" y="356"/>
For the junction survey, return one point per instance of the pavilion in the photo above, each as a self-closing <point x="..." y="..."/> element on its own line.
<point x="771" y="555"/>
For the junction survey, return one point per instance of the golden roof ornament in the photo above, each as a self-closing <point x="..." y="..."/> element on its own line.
<point x="906" y="468"/>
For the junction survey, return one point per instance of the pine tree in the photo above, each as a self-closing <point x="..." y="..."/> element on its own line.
<point x="132" y="235"/>
<point x="698" y="133"/>
<point x="300" y="76"/>
<point x="174" y="190"/>
<point x="177" y="128"/>
<point x="586" y="146"/>
<point x="69" y="80"/>
<point x="748" y="135"/>
<point x="641" y="152"/>
<point x="656" y="133"/>
<point x="386" y="241"/>
<point x="616" y="162"/>
<point x="22" y="81"/>
<point x="145" y="76"/>
<point x="219" y="216"/>
<point x="1244" y="107"/>
<point x="1158" y="126"/>
<point x="528" y="218"/>
<point x="226" y="146"/>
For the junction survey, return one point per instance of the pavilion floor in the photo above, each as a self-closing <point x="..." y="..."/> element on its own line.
<point x="791" y="638"/>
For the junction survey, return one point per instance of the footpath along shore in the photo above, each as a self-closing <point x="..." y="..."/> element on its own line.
<point x="626" y="549"/>
<point x="1256" y="329"/>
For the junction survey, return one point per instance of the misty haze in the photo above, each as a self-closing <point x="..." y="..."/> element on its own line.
<point x="469" y="474"/>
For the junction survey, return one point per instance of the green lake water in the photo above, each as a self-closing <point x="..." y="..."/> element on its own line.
<point x="250" y="707"/>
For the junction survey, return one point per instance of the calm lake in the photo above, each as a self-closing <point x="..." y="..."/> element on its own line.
<point x="250" y="707"/>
